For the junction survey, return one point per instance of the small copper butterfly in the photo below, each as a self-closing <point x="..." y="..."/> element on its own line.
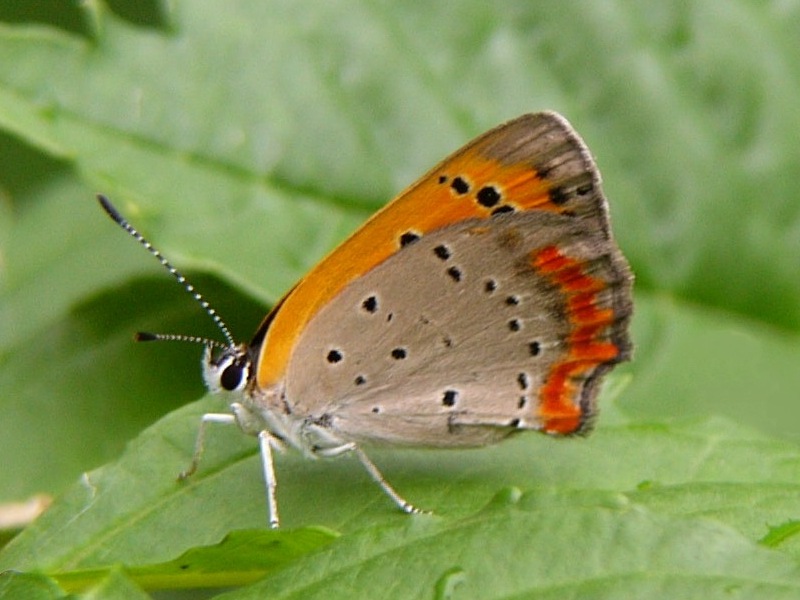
<point x="488" y="298"/>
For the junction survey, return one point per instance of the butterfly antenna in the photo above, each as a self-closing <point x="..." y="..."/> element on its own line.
<point x="122" y="222"/>
<point x="146" y="336"/>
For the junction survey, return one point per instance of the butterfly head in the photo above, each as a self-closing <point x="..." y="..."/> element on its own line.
<point x="226" y="368"/>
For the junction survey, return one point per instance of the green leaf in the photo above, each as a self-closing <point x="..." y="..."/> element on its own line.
<point x="30" y="586"/>
<point x="241" y="557"/>
<point x="779" y="534"/>
<point x="693" y="361"/>
<point x="520" y="552"/>
<point x="115" y="585"/>
<point x="135" y="513"/>
<point x="246" y="139"/>
<point x="74" y="386"/>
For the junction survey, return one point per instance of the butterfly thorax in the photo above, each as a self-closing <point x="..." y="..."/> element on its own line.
<point x="230" y="373"/>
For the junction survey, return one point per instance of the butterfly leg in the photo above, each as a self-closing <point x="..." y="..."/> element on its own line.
<point x="265" y="441"/>
<point x="199" y="444"/>
<point x="374" y="473"/>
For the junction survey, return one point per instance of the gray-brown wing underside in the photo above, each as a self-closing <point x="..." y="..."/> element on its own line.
<point x="450" y="341"/>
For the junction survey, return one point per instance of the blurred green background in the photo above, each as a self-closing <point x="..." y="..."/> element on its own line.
<point x="246" y="138"/>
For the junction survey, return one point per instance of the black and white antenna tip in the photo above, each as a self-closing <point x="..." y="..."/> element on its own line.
<point x="122" y="222"/>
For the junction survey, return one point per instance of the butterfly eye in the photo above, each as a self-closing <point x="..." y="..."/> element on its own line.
<point x="232" y="376"/>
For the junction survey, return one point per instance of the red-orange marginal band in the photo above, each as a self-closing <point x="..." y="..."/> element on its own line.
<point x="559" y="410"/>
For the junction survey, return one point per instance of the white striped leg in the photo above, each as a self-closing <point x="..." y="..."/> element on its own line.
<point x="199" y="444"/>
<point x="375" y="474"/>
<point x="265" y="441"/>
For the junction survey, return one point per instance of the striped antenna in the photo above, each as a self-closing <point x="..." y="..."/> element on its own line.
<point x="146" y="336"/>
<point x="122" y="222"/>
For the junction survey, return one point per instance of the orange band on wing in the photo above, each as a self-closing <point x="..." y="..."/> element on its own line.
<point x="452" y="194"/>
<point x="559" y="410"/>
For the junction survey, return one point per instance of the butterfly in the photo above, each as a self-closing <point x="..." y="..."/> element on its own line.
<point x="488" y="298"/>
